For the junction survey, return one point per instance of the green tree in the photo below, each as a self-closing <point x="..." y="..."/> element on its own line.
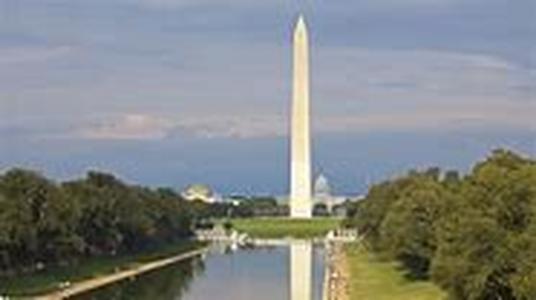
<point x="36" y="218"/>
<point x="408" y="231"/>
<point x="483" y="239"/>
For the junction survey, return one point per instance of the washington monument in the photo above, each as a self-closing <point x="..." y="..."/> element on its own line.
<point x="300" y="160"/>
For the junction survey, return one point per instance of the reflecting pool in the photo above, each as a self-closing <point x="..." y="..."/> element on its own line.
<point x="227" y="272"/>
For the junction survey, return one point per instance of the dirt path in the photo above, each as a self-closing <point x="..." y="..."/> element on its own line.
<point x="338" y="285"/>
<point x="91" y="284"/>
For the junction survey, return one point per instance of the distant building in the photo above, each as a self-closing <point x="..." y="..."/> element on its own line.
<point x="323" y="194"/>
<point x="199" y="192"/>
<point x="322" y="190"/>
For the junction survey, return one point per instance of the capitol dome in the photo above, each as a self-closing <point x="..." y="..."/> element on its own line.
<point x="321" y="186"/>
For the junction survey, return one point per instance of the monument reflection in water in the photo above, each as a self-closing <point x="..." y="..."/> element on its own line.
<point x="301" y="270"/>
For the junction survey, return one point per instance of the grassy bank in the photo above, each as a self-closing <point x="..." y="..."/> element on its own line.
<point x="50" y="279"/>
<point x="285" y="227"/>
<point x="371" y="279"/>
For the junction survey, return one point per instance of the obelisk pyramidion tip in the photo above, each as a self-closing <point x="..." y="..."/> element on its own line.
<point x="301" y="22"/>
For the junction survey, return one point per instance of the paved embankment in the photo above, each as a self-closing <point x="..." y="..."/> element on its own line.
<point x="95" y="283"/>
<point x="336" y="275"/>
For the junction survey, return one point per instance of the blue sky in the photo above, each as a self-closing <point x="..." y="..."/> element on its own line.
<point x="169" y="92"/>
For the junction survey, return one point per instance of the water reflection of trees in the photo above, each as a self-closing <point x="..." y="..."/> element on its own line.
<point x="171" y="282"/>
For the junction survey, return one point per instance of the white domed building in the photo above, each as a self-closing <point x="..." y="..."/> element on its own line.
<point x="199" y="192"/>
<point x="322" y="189"/>
<point x="323" y="193"/>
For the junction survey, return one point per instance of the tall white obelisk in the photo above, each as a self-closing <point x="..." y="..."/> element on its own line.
<point x="300" y="178"/>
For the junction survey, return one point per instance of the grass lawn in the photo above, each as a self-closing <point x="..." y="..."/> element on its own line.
<point x="48" y="280"/>
<point x="371" y="279"/>
<point x="285" y="227"/>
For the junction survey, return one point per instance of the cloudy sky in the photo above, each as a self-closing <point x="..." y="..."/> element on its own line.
<point x="169" y="92"/>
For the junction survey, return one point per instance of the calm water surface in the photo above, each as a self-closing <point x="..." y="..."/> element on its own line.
<point x="261" y="273"/>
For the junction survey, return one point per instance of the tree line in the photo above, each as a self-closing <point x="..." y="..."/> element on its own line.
<point x="474" y="235"/>
<point x="43" y="222"/>
<point x="259" y="206"/>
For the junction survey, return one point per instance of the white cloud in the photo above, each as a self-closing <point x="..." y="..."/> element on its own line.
<point x="245" y="93"/>
<point x="233" y="126"/>
<point x="126" y="127"/>
<point x="149" y="127"/>
<point x="431" y="120"/>
<point x="383" y="80"/>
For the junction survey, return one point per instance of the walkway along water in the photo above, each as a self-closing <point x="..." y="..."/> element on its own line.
<point x="336" y="275"/>
<point x="95" y="283"/>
